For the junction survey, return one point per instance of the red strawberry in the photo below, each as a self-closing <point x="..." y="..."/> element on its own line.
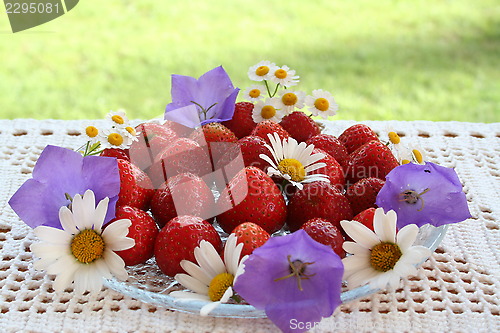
<point x="251" y="196"/>
<point x="250" y="147"/>
<point x="331" y="145"/>
<point x="136" y="189"/>
<point x="118" y="153"/>
<point x="317" y="199"/>
<point x="332" y="169"/>
<point x="184" y="155"/>
<point x="373" y="159"/>
<point x="183" y="194"/>
<point x="363" y="193"/>
<point x="300" y="126"/>
<point x="251" y="235"/>
<point x="152" y="139"/>
<point x="180" y="130"/>
<point x="356" y="136"/>
<point x="178" y="239"/>
<point x="268" y="127"/>
<point x="366" y="217"/>
<point x="217" y="137"/>
<point x="143" y="230"/>
<point x="324" y="232"/>
<point x="242" y="123"/>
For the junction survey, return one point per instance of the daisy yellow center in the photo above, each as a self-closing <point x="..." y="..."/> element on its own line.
<point x="268" y="112"/>
<point x="293" y="168"/>
<point x="384" y="256"/>
<point x="262" y="70"/>
<point x="115" y="139"/>
<point x="418" y="155"/>
<point x="87" y="246"/>
<point x="91" y="131"/>
<point x="289" y="99"/>
<point x="131" y="130"/>
<point x="219" y="285"/>
<point x="394" y="138"/>
<point x="254" y="93"/>
<point x="118" y="119"/>
<point x="321" y="104"/>
<point x="281" y="73"/>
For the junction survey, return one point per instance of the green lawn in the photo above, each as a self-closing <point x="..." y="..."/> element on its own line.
<point x="433" y="60"/>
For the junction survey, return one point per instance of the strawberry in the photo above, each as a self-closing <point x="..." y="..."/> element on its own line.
<point x="183" y="194"/>
<point x="143" y="230"/>
<point x="217" y="137"/>
<point x="251" y="196"/>
<point x="184" y="155"/>
<point x="332" y="170"/>
<point x="251" y="235"/>
<point x="331" y="145"/>
<point x="363" y="193"/>
<point x="250" y="147"/>
<point x="152" y="139"/>
<point x="317" y="199"/>
<point x="136" y="189"/>
<point x="180" y="130"/>
<point x="366" y="217"/>
<point x="324" y="232"/>
<point x="115" y="152"/>
<point x="300" y="126"/>
<point x="268" y="127"/>
<point x="242" y="123"/>
<point x="373" y="159"/>
<point x="356" y="136"/>
<point x="178" y="239"/>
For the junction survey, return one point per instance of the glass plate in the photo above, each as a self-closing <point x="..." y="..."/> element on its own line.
<point x="148" y="284"/>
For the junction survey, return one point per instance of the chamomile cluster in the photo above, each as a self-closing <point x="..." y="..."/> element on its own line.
<point x="275" y="98"/>
<point x="116" y="133"/>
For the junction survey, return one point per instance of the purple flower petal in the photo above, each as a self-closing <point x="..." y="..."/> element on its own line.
<point x="282" y="299"/>
<point x="438" y="196"/>
<point x="59" y="171"/>
<point x="213" y="91"/>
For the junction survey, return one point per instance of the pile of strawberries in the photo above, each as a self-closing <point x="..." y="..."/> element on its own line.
<point x="171" y="164"/>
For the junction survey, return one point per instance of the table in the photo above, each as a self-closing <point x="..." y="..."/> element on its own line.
<point x="457" y="289"/>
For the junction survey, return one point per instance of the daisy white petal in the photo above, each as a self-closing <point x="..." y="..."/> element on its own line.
<point x="315" y="167"/>
<point x="64" y="280"/>
<point x="406" y="236"/>
<point x="191" y="283"/>
<point x="360" y="277"/>
<point x="360" y="233"/>
<point x="189" y="296"/>
<point x="66" y="218"/>
<point x="121" y="244"/>
<point x="355" y="248"/>
<point x="268" y="160"/>
<point x="100" y="214"/>
<point x="117" y="229"/>
<point x="115" y="264"/>
<point x="52" y="235"/>
<point x="195" y="271"/>
<point x="385" y="227"/>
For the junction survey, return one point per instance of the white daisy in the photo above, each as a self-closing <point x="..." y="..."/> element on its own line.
<point x="267" y="109"/>
<point x="82" y="252"/>
<point x="384" y="257"/>
<point x="403" y="153"/>
<point x="261" y="71"/>
<point x="293" y="161"/>
<point x="212" y="279"/>
<point x="119" y="138"/>
<point x="92" y="134"/>
<point x="321" y="103"/>
<point x="284" y="76"/>
<point x="290" y="100"/>
<point x="118" y="118"/>
<point x="254" y="92"/>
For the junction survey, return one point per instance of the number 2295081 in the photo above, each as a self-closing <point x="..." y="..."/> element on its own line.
<point x="32" y="8"/>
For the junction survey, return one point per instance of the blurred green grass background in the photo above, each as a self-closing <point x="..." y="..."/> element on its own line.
<point x="405" y="60"/>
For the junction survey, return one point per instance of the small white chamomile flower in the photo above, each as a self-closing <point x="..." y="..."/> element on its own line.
<point x="254" y="92"/>
<point x="290" y="100"/>
<point x="267" y="109"/>
<point x="321" y="103"/>
<point x="284" y="76"/>
<point x="118" y="118"/>
<point x="261" y="71"/>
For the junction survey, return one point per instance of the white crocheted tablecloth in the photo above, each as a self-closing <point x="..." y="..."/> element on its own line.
<point x="456" y="290"/>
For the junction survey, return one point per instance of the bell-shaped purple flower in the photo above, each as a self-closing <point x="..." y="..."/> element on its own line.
<point x="295" y="279"/>
<point x="60" y="174"/>
<point x="211" y="98"/>
<point x="422" y="194"/>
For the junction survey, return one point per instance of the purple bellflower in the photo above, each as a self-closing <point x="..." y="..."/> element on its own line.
<point x="58" y="175"/>
<point x="422" y="194"/>
<point x="295" y="279"/>
<point x="211" y="98"/>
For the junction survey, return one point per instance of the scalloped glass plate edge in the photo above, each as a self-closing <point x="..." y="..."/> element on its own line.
<point x="429" y="236"/>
